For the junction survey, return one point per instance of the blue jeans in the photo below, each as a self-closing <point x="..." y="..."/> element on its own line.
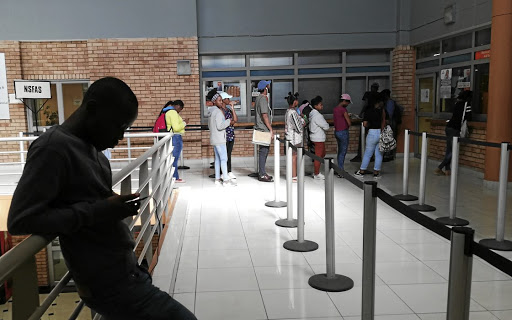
<point x="372" y="146"/>
<point x="221" y="162"/>
<point x="136" y="299"/>
<point x="177" y="142"/>
<point x="342" y="139"/>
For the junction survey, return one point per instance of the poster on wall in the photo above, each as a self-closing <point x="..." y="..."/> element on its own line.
<point x="4" y="95"/>
<point x="237" y="89"/>
<point x="425" y="95"/>
<point x="446" y="84"/>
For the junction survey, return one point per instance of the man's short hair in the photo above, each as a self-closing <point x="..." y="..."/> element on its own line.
<point x="110" y="92"/>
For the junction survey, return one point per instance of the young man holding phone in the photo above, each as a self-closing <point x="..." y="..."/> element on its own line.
<point x="66" y="191"/>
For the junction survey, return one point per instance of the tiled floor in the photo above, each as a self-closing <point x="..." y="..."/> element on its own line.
<point x="233" y="265"/>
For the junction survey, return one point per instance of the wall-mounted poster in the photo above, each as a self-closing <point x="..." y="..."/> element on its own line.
<point x="425" y="95"/>
<point x="4" y="95"/>
<point x="235" y="88"/>
<point x="446" y="74"/>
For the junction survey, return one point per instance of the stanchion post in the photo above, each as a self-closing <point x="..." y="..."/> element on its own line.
<point x="421" y="206"/>
<point x="461" y="267"/>
<point x="289" y="222"/>
<point x="330" y="281"/>
<point x="452" y="220"/>
<point x="369" y="249"/>
<point x="277" y="176"/>
<point x="256" y="173"/>
<point x="405" y="196"/>
<point x="300" y="245"/>
<point x="363" y="139"/>
<point x="499" y="243"/>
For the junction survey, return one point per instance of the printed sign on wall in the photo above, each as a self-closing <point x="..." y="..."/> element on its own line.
<point x="32" y="89"/>
<point x="4" y="95"/>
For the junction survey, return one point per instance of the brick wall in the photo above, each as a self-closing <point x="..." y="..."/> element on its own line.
<point x="43" y="276"/>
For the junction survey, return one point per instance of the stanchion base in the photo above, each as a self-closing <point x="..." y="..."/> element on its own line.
<point x="405" y="197"/>
<point x="494" y="244"/>
<point x="455" y="222"/>
<point x="276" y="204"/>
<point x="253" y="175"/>
<point x="422" y="207"/>
<point x="183" y="167"/>
<point x="285" y="223"/>
<point x="212" y="176"/>
<point x="337" y="284"/>
<point x="295" y="245"/>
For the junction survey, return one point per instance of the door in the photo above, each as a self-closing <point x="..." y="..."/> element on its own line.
<point x="425" y="105"/>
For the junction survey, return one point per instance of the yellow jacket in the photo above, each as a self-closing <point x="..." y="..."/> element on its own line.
<point x="174" y="121"/>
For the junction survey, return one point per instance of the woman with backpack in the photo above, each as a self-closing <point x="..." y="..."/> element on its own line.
<point x="317" y="127"/>
<point x="293" y="128"/>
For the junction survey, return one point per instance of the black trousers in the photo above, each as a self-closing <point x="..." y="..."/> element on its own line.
<point x="229" y="146"/>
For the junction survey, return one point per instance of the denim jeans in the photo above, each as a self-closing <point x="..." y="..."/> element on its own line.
<point x="137" y="299"/>
<point x="221" y="162"/>
<point x="372" y="146"/>
<point x="447" y="161"/>
<point x="342" y="139"/>
<point x="263" y="154"/>
<point x="177" y="143"/>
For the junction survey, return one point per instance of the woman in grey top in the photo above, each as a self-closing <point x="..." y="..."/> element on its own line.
<point x="294" y="128"/>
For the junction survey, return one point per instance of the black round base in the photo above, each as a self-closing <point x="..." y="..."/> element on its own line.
<point x="183" y="167"/>
<point x="405" y="197"/>
<point x="285" y="223"/>
<point x="337" y="284"/>
<point x="494" y="244"/>
<point x="306" y="246"/>
<point x="253" y="175"/>
<point x="212" y="176"/>
<point x="422" y="207"/>
<point x="455" y="222"/>
<point x="276" y="204"/>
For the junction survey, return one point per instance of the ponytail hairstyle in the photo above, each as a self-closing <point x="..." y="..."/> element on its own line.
<point x="292" y="98"/>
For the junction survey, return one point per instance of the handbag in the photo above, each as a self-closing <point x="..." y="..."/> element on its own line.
<point x="386" y="141"/>
<point x="464" y="131"/>
<point x="261" y="138"/>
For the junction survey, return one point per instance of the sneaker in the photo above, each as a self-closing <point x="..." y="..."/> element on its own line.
<point x="230" y="183"/>
<point x="359" y="174"/>
<point x="218" y="183"/>
<point x="231" y="175"/>
<point x="266" y="178"/>
<point x="319" y="176"/>
<point x="438" y="172"/>
<point x="376" y="175"/>
<point x="340" y="176"/>
<point x="448" y="173"/>
<point x="180" y="181"/>
<point x="295" y="179"/>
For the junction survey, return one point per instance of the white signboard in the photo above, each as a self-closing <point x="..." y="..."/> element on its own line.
<point x="4" y="96"/>
<point x="32" y="89"/>
<point x="425" y="95"/>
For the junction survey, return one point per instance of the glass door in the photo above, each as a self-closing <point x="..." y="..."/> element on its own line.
<point x="425" y="104"/>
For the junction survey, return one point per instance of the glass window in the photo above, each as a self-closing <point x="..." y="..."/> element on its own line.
<point x="279" y="90"/>
<point x="367" y="56"/>
<point x="356" y="87"/>
<point x="231" y="61"/>
<point x="428" y="50"/>
<point x="453" y="81"/>
<point x="368" y="69"/>
<point x="319" y="57"/>
<point x="457" y="59"/>
<point x="481" y="93"/>
<point x="47" y="114"/>
<point x="267" y="60"/>
<point x="427" y="64"/>
<point x="235" y="88"/>
<point x="458" y="43"/>
<point x="72" y="94"/>
<point x="328" y="88"/>
<point x="483" y="37"/>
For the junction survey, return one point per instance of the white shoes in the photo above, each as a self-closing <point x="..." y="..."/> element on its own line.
<point x="231" y="175"/>
<point x="218" y="183"/>
<point x="319" y="176"/>
<point x="230" y="183"/>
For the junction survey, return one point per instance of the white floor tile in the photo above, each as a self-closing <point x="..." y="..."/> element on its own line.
<point x="386" y="302"/>
<point x="355" y="238"/>
<point x="188" y="259"/>
<point x="429" y="251"/>
<point x="389" y="317"/>
<point x="185" y="280"/>
<point x="224" y="259"/>
<point x="267" y="241"/>
<point x="494" y="295"/>
<point x="298" y="303"/>
<point x="226" y="242"/>
<point x="343" y="254"/>
<point x="503" y="315"/>
<point x="186" y="299"/>
<point x="413" y="236"/>
<point x="279" y="256"/>
<point x="407" y="273"/>
<point x="472" y="316"/>
<point x="283" y="277"/>
<point x="226" y="279"/>
<point x="481" y="270"/>
<point x="388" y="253"/>
<point x="230" y="305"/>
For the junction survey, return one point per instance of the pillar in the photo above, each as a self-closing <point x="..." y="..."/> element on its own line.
<point x="499" y="118"/>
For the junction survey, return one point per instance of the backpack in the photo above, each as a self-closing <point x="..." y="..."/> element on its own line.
<point x="397" y="114"/>
<point x="160" y="125"/>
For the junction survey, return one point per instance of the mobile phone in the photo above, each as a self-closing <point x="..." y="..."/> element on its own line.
<point x="136" y="201"/>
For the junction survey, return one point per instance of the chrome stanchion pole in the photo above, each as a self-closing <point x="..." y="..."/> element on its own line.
<point x="405" y="196"/>
<point x="330" y="281"/>
<point x="277" y="176"/>
<point x="256" y="173"/>
<point x="289" y="222"/>
<point x="369" y="249"/>
<point x="363" y="139"/>
<point x="499" y="243"/>
<point x="300" y="245"/>
<point x="452" y="220"/>
<point x="421" y="206"/>
<point x="461" y="267"/>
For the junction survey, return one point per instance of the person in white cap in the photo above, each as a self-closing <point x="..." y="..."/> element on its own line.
<point x="229" y="113"/>
<point x="341" y="125"/>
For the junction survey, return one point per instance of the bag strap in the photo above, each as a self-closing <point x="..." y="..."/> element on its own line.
<point x="463" y="114"/>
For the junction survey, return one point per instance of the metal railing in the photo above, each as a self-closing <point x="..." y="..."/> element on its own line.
<point x="19" y="264"/>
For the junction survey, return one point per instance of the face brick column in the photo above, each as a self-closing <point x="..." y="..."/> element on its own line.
<point x="402" y="91"/>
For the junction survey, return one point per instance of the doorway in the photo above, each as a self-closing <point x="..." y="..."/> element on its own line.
<point x="425" y="105"/>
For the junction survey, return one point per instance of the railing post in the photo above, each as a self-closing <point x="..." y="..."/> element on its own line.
<point x="22" y="151"/>
<point x="155" y="169"/>
<point x="499" y="243"/>
<point x="405" y="196"/>
<point x="256" y="172"/>
<point x="289" y="222"/>
<point x="145" y="216"/>
<point x="461" y="267"/>
<point x="421" y="206"/>
<point x="452" y="220"/>
<point x="126" y="188"/>
<point x="129" y="146"/>
<point x="369" y="249"/>
<point x="25" y="297"/>
<point x="277" y="176"/>
<point x="363" y="139"/>
<point x="300" y="245"/>
<point x="330" y="281"/>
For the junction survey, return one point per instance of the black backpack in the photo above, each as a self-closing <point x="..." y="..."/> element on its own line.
<point x="398" y="113"/>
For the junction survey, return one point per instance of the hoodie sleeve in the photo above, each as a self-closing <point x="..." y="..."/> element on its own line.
<point x="175" y="121"/>
<point x="220" y="122"/>
<point x="320" y="121"/>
